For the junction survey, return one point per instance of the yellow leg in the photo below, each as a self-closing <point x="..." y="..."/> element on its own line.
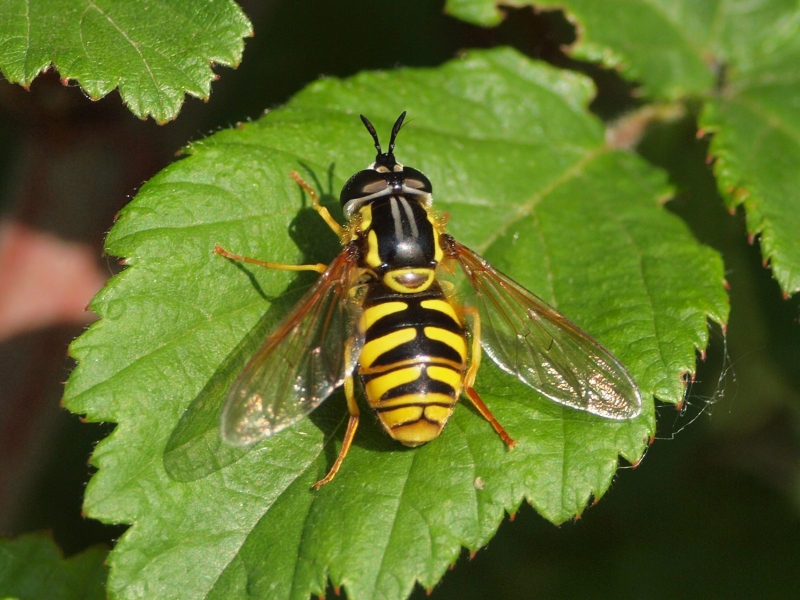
<point x="475" y="358"/>
<point x="472" y="372"/>
<point x="323" y="212"/>
<point x="349" y="434"/>
<point x="319" y="267"/>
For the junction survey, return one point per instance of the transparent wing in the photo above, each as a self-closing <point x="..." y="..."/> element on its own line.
<point x="311" y="352"/>
<point x="543" y="349"/>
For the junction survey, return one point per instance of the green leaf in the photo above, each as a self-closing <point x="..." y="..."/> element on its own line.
<point x="524" y="173"/>
<point x="679" y="48"/>
<point x="756" y="126"/>
<point x="32" y="568"/>
<point x="155" y="51"/>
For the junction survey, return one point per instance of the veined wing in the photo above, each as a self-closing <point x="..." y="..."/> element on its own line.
<point x="311" y="352"/>
<point x="543" y="349"/>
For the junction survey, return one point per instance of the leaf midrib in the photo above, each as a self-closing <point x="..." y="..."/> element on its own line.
<point x="524" y="210"/>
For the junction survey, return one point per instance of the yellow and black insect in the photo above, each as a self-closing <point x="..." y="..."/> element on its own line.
<point x="380" y="311"/>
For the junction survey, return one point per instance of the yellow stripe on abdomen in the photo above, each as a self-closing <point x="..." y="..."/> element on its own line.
<point x="413" y="399"/>
<point x="452" y="378"/>
<point x="374" y="313"/>
<point x="455" y="341"/>
<point x="402" y="415"/>
<point x="373" y="350"/>
<point x="442" y="306"/>
<point x="438" y="414"/>
<point x="378" y="386"/>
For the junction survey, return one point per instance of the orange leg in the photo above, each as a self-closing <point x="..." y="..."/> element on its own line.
<point x="349" y="434"/>
<point x="319" y="267"/>
<point x="323" y="212"/>
<point x="472" y="372"/>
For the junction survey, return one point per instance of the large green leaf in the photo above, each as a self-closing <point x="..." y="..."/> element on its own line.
<point x="523" y="171"/>
<point x="154" y="50"/>
<point x="751" y="52"/>
<point x="32" y="568"/>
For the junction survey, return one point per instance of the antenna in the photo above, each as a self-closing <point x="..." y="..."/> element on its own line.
<point x="395" y="130"/>
<point x="374" y="133"/>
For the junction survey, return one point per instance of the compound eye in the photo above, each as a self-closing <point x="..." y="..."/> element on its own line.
<point x="364" y="183"/>
<point x="416" y="180"/>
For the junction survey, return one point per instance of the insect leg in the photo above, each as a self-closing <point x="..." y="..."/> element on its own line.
<point x="472" y="372"/>
<point x="349" y="434"/>
<point x="319" y="267"/>
<point x="323" y="212"/>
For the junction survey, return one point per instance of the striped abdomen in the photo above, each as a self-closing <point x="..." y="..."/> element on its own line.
<point x="413" y="361"/>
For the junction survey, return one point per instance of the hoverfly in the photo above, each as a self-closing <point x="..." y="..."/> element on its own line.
<point x="380" y="312"/>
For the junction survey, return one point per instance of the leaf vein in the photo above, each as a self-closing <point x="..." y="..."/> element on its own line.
<point x="640" y="265"/>
<point x="130" y="41"/>
<point x="27" y="42"/>
<point x="526" y="207"/>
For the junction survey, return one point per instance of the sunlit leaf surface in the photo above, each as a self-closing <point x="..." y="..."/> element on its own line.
<point x="522" y="169"/>
<point x="155" y="51"/>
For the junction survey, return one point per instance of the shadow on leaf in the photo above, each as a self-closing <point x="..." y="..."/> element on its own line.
<point x="195" y="448"/>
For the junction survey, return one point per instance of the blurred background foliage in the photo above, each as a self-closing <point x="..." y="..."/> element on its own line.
<point x="711" y="511"/>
